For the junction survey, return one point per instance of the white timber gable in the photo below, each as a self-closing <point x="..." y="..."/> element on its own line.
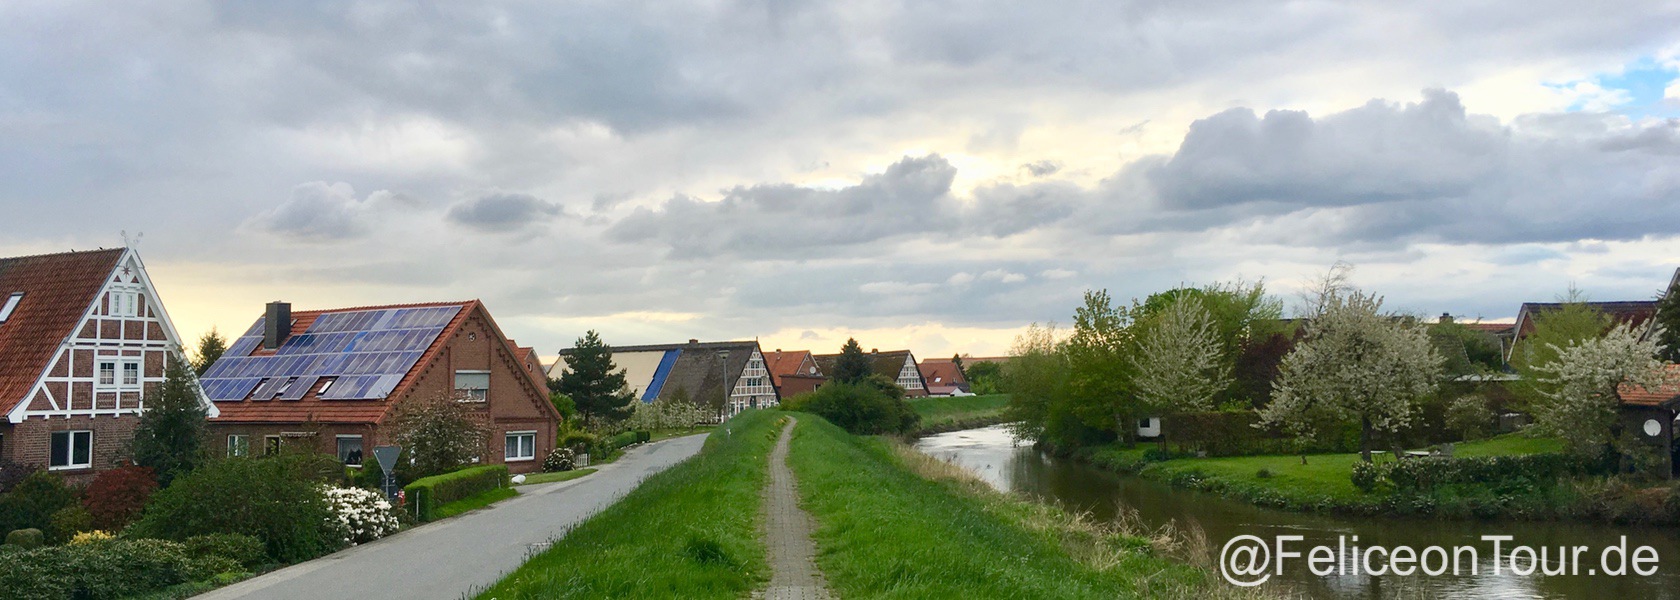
<point x="909" y="377"/>
<point x="120" y="346"/>
<point x="753" y="389"/>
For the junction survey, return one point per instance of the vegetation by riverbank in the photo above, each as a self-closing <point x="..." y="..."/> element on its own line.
<point x="690" y="531"/>
<point x="895" y="523"/>
<point x="939" y="415"/>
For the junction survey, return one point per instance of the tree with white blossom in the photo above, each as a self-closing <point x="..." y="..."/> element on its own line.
<point x="1356" y="365"/>
<point x="1581" y="388"/>
<point x="1179" y="365"/>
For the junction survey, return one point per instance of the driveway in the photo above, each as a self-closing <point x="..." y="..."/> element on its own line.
<point x="458" y="556"/>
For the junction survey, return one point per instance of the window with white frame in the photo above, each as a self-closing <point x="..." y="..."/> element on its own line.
<point x="125" y="302"/>
<point x="350" y="450"/>
<point x="521" y="445"/>
<point x="239" y="445"/>
<point x="472" y="386"/>
<point x="117" y="374"/>
<point x="71" y="450"/>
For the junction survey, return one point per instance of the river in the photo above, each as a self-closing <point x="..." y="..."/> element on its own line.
<point x="1011" y="466"/>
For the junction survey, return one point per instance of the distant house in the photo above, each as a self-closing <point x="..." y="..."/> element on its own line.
<point x="793" y="372"/>
<point x="1651" y="415"/>
<point x="1633" y="312"/>
<point x="897" y="365"/>
<point x="943" y="377"/>
<point x="83" y="340"/>
<point x="698" y="370"/>
<point x="331" y="380"/>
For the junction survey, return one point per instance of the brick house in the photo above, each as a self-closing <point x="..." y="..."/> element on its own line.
<point x="1651" y="415"/>
<point x="793" y="372"/>
<point x="943" y="377"/>
<point x="83" y="336"/>
<point x="332" y="379"/>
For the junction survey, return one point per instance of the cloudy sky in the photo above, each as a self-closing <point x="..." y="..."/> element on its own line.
<point x="924" y="174"/>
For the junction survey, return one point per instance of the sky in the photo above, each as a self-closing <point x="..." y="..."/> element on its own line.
<point x="931" y="175"/>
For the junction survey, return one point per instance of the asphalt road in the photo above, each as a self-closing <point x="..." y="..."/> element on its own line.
<point x="458" y="556"/>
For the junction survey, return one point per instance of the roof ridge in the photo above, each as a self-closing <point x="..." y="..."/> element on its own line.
<point x="384" y="307"/>
<point x="54" y="254"/>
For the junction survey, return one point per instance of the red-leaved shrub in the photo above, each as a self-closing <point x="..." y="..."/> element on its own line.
<point x="116" y="496"/>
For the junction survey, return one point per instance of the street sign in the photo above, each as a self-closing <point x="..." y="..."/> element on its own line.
<point x="387" y="457"/>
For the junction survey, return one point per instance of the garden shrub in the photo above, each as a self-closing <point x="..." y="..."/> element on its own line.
<point x="32" y="502"/>
<point x="561" y="459"/>
<point x="111" y="569"/>
<point x="92" y="537"/>
<point x="244" y="550"/>
<point x="1366" y="475"/>
<point x="573" y="439"/>
<point x="12" y="472"/>
<point x="68" y="522"/>
<point x="428" y="493"/>
<point x="25" y="538"/>
<point x="1424" y="473"/>
<point x="115" y="497"/>
<point x="621" y="440"/>
<point x="275" y="499"/>
<point x="871" y="407"/>
<point x="363" y="515"/>
<point x="644" y="436"/>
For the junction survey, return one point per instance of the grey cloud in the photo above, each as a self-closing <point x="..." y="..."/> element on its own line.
<point x="319" y="211"/>
<point x="503" y="212"/>
<point x="1661" y="138"/>
<point x="1042" y="168"/>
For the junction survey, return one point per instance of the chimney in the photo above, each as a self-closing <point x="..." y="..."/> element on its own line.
<point x="874" y="350"/>
<point x="278" y="324"/>
<point x="1446" y="317"/>
<point x="693" y="341"/>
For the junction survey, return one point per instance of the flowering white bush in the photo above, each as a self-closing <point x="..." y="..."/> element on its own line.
<point x="362" y="515"/>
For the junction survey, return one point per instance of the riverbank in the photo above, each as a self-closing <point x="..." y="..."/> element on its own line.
<point x="1324" y="483"/>
<point x="893" y="522"/>
<point x="956" y="413"/>
<point x="691" y="531"/>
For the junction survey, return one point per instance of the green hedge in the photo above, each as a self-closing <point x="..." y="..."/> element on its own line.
<point x="110" y="569"/>
<point x="623" y="439"/>
<point x="428" y="493"/>
<point x="1428" y="472"/>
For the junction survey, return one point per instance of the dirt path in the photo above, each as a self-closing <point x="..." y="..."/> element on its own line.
<point x="787" y="535"/>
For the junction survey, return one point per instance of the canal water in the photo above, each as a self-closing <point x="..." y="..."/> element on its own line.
<point x="1012" y="466"/>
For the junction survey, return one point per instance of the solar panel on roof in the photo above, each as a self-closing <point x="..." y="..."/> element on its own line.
<point x="369" y="351"/>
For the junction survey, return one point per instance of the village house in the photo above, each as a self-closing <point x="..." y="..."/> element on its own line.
<point x="83" y="339"/>
<point x="793" y="372"/>
<point x="1651" y="415"/>
<point x="332" y="380"/>
<point x="698" y="371"/>
<point x="1632" y="312"/>
<point x="897" y="365"/>
<point x="944" y="377"/>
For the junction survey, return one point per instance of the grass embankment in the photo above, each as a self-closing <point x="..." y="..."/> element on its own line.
<point x="940" y="415"/>
<point x="1282" y="481"/>
<point x="473" y="503"/>
<point x="894" y="523"/>
<point x="536" y="478"/>
<point x="690" y="531"/>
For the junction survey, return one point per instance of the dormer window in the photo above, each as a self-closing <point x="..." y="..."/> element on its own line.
<point x="10" y="305"/>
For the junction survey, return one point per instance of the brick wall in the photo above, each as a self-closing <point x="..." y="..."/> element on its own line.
<point x="30" y="442"/>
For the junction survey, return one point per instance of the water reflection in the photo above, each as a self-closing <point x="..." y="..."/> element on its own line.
<point x="999" y="459"/>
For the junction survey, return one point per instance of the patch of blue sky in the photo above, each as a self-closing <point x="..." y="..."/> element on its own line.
<point x="1637" y="90"/>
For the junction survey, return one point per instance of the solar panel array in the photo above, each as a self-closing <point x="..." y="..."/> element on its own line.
<point x="366" y="352"/>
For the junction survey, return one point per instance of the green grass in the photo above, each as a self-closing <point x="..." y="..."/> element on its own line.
<point x="690" y="531"/>
<point x="886" y="531"/>
<point x="474" y="503"/>
<point x="1323" y="481"/>
<point x="536" y="478"/>
<point x="963" y="412"/>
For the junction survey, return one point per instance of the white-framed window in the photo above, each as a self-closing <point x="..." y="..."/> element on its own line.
<point x="125" y="302"/>
<point x="71" y="450"/>
<point x="118" y="374"/>
<point x="473" y="386"/>
<point x="130" y="375"/>
<point x="350" y="450"/>
<point x="521" y="445"/>
<point x="239" y="444"/>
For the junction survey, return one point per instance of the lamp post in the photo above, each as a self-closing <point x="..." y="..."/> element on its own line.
<point x="723" y="381"/>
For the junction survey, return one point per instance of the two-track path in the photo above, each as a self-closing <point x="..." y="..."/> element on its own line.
<point x="787" y="533"/>
<point x="457" y="556"/>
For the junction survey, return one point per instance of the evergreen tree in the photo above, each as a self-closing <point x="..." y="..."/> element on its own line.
<point x="1668" y="318"/>
<point x="956" y="359"/>
<point x="210" y="347"/>
<point x="594" y="383"/>
<point x="170" y="435"/>
<point x="852" y="366"/>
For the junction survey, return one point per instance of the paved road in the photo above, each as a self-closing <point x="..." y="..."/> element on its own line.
<point x="787" y="536"/>
<point x="458" y="556"/>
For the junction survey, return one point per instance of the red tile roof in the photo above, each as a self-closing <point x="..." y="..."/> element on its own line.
<point x="781" y="363"/>
<point x="1665" y="395"/>
<point x="57" y="290"/>
<point x="312" y="407"/>
<point x="942" y="375"/>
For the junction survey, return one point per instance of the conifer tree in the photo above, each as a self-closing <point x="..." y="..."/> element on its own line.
<point x="210" y="348"/>
<point x="170" y="435"/>
<point x="852" y="366"/>
<point x="594" y="383"/>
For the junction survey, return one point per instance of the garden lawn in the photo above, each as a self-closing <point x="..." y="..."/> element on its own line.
<point x="1325" y="477"/>
<point x="690" y="531"/>
<point x="885" y="531"/>
<point x="536" y="478"/>
<point x="941" y="414"/>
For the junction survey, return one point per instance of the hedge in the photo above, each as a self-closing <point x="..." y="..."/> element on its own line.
<point x="428" y="493"/>
<point x="108" y="569"/>
<point x="623" y="439"/>
<point x="1428" y="472"/>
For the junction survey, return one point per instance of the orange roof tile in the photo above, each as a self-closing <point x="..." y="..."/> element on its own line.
<point x="781" y="363"/>
<point x="1662" y="396"/>
<point x="57" y="291"/>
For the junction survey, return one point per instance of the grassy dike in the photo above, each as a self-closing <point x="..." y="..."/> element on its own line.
<point x="690" y="531"/>
<point x="944" y="414"/>
<point x="893" y="523"/>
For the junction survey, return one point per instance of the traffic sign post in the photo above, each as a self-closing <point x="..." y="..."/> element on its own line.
<point x="387" y="457"/>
